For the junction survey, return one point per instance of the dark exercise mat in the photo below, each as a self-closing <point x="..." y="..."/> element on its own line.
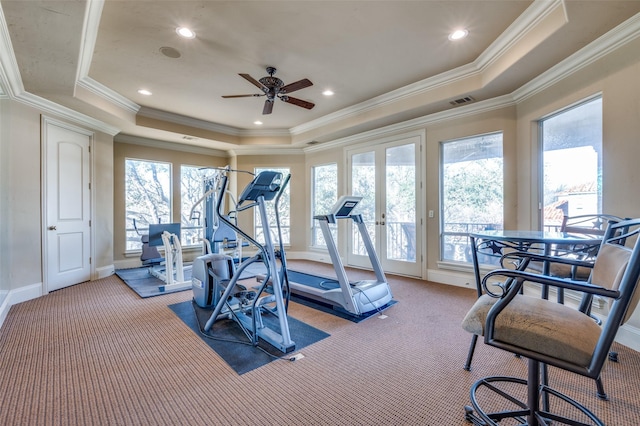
<point x="228" y="340"/>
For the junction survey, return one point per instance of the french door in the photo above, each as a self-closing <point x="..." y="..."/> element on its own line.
<point x="387" y="176"/>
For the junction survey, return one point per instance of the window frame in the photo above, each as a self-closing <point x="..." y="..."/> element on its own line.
<point x="256" y="214"/>
<point x="315" y="227"/>
<point x="461" y="249"/>
<point x="137" y="247"/>
<point x="541" y="162"/>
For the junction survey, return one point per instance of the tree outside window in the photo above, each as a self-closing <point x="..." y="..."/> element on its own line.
<point x="147" y="197"/>
<point x="324" y="189"/>
<point x="285" y="212"/>
<point x="472" y="192"/>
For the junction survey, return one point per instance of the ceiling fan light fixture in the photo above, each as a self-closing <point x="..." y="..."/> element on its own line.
<point x="458" y="34"/>
<point x="328" y="92"/>
<point x="258" y="123"/>
<point x="185" y="32"/>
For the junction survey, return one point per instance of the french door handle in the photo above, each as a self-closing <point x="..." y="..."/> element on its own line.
<point x="52" y="228"/>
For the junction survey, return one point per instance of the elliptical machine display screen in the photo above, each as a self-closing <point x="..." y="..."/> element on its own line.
<point x="266" y="184"/>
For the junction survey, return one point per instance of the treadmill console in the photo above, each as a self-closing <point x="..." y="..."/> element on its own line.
<point x="344" y="206"/>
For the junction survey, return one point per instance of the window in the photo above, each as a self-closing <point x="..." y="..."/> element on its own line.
<point x="472" y="192"/>
<point x="571" y="163"/>
<point x="147" y="197"/>
<point x="285" y="215"/>
<point x="324" y="189"/>
<point x="191" y="190"/>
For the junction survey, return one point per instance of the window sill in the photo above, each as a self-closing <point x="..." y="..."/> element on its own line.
<point x="455" y="266"/>
<point x="137" y="253"/>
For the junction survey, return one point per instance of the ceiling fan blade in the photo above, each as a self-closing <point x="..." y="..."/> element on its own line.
<point x="298" y="102"/>
<point x="243" y="96"/>
<point x="252" y="81"/>
<point x="268" y="107"/>
<point x="292" y="87"/>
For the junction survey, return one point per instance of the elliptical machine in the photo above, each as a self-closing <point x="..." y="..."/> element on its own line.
<point x="215" y="276"/>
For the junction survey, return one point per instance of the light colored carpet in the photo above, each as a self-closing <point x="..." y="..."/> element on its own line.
<point x="97" y="354"/>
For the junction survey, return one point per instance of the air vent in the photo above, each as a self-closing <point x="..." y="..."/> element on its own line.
<point x="462" y="101"/>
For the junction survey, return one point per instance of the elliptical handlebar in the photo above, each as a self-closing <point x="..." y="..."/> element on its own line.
<point x="268" y="185"/>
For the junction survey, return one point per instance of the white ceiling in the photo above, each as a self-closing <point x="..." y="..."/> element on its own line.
<point x="386" y="61"/>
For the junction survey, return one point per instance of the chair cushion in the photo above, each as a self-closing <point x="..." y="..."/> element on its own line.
<point x="539" y="325"/>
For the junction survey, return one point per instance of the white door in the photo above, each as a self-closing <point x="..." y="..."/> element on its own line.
<point x="67" y="205"/>
<point x="387" y="176"/>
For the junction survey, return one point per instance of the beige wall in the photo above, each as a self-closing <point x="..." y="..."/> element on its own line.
<point x="501" y="120"/>
<point x="23" y="238"/>
<point x="122" y="151"/>
<point x="21" y="194"/>
<point x="614" y="76"/>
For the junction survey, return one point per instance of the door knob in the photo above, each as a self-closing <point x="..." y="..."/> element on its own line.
<point x="52" y="228"/>
<point x="382" y="223"/>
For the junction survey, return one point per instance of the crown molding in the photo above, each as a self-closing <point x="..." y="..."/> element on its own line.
<point x="208" y="125"/>
<point x="157" y="114"/>
<point x="9" y="70"/>
<point x="417" y="123"/>
<point x="108" y="94"/>
<point x="239" y="152"/>
<point x="90" y="26"/>
<point x="49" y="107"/>
<point x="602" y="46"/>
<point x="518" y="29"/>
<point x="12" y="81"/>
<point x="155" y="143"/>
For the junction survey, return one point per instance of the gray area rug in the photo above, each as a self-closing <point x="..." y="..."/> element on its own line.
<point x="146" y="285"/>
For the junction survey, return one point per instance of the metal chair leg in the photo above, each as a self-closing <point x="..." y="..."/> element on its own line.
<point x="472" y="348"/>
<point x="600" y="392"/>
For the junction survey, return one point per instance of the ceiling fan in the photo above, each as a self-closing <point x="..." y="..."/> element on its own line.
<point x="272" y="87"/>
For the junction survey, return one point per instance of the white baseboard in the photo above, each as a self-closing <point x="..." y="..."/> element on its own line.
<point x="127" y="264"/>
<point x="104" y="271"/>
<point x="629" y="336"/>
<point x="22" y="294"/>
<point x="458" y="279"/>
<point x="309" y="255"/>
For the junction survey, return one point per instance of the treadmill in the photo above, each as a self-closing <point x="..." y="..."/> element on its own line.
<point x="355" y="298"/>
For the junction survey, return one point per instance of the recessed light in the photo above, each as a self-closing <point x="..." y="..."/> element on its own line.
<point x="458" y="34"/>
<point x="258" y="123"/>
<point x="145" y="92"/>
<point x="185" y="32"/>
<point x="328" y="92"/>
